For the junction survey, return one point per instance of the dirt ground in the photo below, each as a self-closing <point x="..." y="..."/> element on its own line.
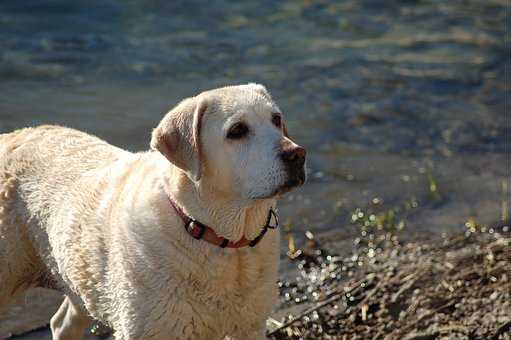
<point x="454" y="288"/>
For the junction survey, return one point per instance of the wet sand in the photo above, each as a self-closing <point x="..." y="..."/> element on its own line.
<point x="29" y="317"/>
<point x="31" y="311"/>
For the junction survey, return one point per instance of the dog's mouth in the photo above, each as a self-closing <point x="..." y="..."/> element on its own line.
<point x="296" y="178"/>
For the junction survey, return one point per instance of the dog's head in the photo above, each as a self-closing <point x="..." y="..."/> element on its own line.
<point x="235" y="139"/>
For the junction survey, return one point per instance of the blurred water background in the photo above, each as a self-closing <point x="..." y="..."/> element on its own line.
<point x="404" y="106"/>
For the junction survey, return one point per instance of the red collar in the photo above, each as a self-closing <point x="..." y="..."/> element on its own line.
<point x="200" y="231"/>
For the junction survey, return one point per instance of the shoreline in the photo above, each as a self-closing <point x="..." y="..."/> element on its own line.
<point x="456" y="287"/>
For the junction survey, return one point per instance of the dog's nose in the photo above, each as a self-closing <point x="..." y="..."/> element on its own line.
<point x="294" y="155"/>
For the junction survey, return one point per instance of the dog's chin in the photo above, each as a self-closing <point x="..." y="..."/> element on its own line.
<point x="294" y="178"/>
<point x="289" y="185"/>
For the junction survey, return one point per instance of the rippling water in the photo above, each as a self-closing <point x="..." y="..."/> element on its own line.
<point x="391" y="98"/>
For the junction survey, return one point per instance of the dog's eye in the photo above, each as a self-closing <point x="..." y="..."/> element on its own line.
<point x="276" y="120"/>
<point x="237" y="131"/>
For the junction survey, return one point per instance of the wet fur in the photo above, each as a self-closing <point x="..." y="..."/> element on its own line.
<point x="93" y="221"/>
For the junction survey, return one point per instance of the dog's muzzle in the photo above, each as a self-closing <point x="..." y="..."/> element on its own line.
<point x="293" y="159"/>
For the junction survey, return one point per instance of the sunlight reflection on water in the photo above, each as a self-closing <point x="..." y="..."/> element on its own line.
<point x="385" y="95"/>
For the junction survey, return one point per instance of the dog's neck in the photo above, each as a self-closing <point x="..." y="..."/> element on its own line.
<point x="228" y="216"/>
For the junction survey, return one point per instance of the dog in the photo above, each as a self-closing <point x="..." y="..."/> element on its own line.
<point x="178" y="242"/>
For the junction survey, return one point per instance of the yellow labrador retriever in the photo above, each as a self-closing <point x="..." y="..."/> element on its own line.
<point x="175" y="243"/>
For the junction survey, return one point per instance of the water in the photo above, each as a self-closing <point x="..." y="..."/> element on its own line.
<point x="391" y="98"/>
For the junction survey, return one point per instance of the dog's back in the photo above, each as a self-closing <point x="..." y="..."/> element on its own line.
<point x="37" y="167"/>
<point x="98" y="222"/>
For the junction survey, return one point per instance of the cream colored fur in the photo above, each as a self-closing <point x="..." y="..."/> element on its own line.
<point x="94" y="221"/>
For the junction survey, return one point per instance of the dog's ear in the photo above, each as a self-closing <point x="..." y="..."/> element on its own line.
<point x="177" y="136"/>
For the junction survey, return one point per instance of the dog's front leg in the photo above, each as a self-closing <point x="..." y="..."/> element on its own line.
<point x="70" y="322"/>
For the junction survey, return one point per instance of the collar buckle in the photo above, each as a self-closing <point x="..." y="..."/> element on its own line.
<point x="196" y="229"/>
<point x="272" y="215"/>
<point x="200" y="231"/>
